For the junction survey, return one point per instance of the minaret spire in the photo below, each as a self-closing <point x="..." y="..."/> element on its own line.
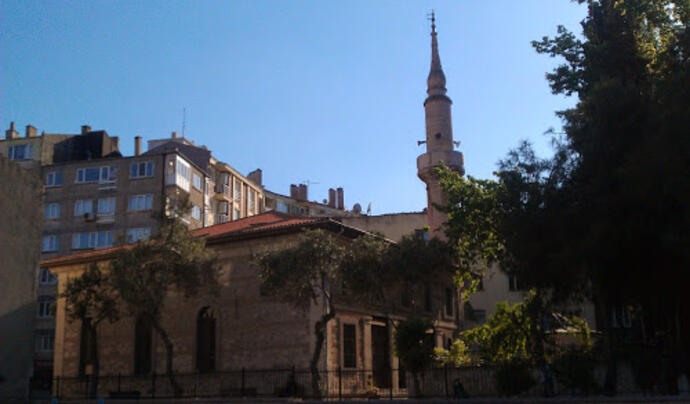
<point x="436" y="82"/>
<point x="439" y="138"/>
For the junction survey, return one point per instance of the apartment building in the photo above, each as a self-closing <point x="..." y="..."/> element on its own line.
<point x="95" y="198"/>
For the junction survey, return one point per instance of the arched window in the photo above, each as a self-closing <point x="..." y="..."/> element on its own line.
<point x="87" y="351"/>
<point x="206" y="340"/>
<point x="143" y="333"/>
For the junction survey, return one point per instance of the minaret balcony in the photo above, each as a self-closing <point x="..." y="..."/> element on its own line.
<point x="432" y="159"/>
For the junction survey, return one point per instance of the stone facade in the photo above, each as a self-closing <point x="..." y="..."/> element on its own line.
<point x="21" y="212"/>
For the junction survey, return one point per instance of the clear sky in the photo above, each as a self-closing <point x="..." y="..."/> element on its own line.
<point x="325" y="91"/>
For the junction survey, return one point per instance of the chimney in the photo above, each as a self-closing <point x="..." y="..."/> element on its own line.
<point x="255" y="177"/>
<point x="85" y="129"/>
<point x="174" y="135"/>
<point x="30" y="131"/>
<point x="293" y="191"/>
<point x="341" y="199"/>
<point x="303" y="192"/>
<point x="137" y="145"/>
<point x="11" y="133"/>
<point x="116" y="142"/>
<point x="331" y="198"/>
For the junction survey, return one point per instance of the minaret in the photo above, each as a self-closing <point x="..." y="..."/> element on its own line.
<point x="439" y="138"/>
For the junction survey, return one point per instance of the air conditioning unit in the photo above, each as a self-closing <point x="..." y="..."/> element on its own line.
<point x="89" y="217"/>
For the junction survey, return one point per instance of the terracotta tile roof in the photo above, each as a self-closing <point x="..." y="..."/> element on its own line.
<point x="261" y="222"/>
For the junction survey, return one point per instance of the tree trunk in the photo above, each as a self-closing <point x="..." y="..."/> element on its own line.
<point x="320" y="333"/>
<point x="93" y="336"/>
<point x="168" y="358"/>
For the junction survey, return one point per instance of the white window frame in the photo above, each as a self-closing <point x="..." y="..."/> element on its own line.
<point x="138" y="234"/>
<point x="251" y="201"/>
<point x="54" y="179"/>
<point x="105" y="174"/>
<point x="94" y="240"/>
<point x="136" y="168"/>
<point x="196" y="212"/>
<point x="141" y="202"/>
<point x="105" y="207"/>
<point x="46" y="277"/>
<point x="237" y="189"/>
<point x="196" y="181"/>
<point x="45" y="343"/>
<point x="83" y="206"/>
<point x="183" y="172"/>
<point x="43" y="308"/>
<point x="50" y="243"/>
<point x="27" y="148"/>
<point x="52" y="211"/>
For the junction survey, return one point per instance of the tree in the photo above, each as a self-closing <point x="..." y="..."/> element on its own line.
<point x="414" y="346"/>
<point x="91" y="299"/>
<point x="628" y="135"/>
<point x="174" y="260"/>
<point x="368" y="270"/>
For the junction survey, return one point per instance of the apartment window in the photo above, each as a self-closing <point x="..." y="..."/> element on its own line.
<point x="235" y="213"/>
<point x="51" y="243"/>
<point x="196" y="181"/>
<point x="140" y="202"/>
<point x="106" y="206"/>
<point x="449" y="302"/>
<point x="513" y="284"/>
<point x="52" y="210"/>
<point x="237" y="189"/>
<point x="141" y="169"/>
<point x="54" y="179"/>
<point x="96" y="174"/>
<point x="196" y="212"/>
<point x="94" y="239"/>
<point x="251" y="198"/>
<point x="21" y="152"/>
<point x="44" y="306"/>
<point x="46" y="277"/>
<point x="45" y="341"/>
<point x="182" y="173"/>
<point x="349" y="346"/>
<point x="138" y="234"/>
<point x="281" y="207"/>
<point x="82" y="207"/>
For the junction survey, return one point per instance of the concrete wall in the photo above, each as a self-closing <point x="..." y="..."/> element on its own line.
<point x="393" y="226"/>
<point x="20" y="228"/>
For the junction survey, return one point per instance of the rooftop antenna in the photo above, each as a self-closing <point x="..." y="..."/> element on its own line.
<point x="310" y="182"/>
<point x="184" y="120"/>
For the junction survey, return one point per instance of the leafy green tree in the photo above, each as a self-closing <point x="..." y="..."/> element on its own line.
<point x="628" y="189"/>
<point x="457" y="354"/>
<point x="90" y="299"/>
<point x="367" y="270"/>
<point x="174" y="260"/>
<point x="414" y="346"/>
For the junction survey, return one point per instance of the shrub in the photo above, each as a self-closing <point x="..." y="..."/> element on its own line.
<point x="575" y="369"/>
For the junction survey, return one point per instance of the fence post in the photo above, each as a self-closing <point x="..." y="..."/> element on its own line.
<point x="390" y="391"/>
<point x="57" y="392"/>
<point x="340" y="384"/>
<point x="243" y="382"/>
<point x="153" y="385"/>
<point x="445" y="378"/>
<point x="119" y="381"/>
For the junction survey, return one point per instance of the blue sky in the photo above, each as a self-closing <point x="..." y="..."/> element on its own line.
<point x="325" y="91"/>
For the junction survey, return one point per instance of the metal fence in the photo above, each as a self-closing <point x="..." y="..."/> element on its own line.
<point x="333" y="384"/>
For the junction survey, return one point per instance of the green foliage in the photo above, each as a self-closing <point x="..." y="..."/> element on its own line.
<point x="505" y="335"/>
<point x="513" y="377"/>
<point x="458" y="354"/>
<point x="90" y="295"/>
<point x="414" y="344"/>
